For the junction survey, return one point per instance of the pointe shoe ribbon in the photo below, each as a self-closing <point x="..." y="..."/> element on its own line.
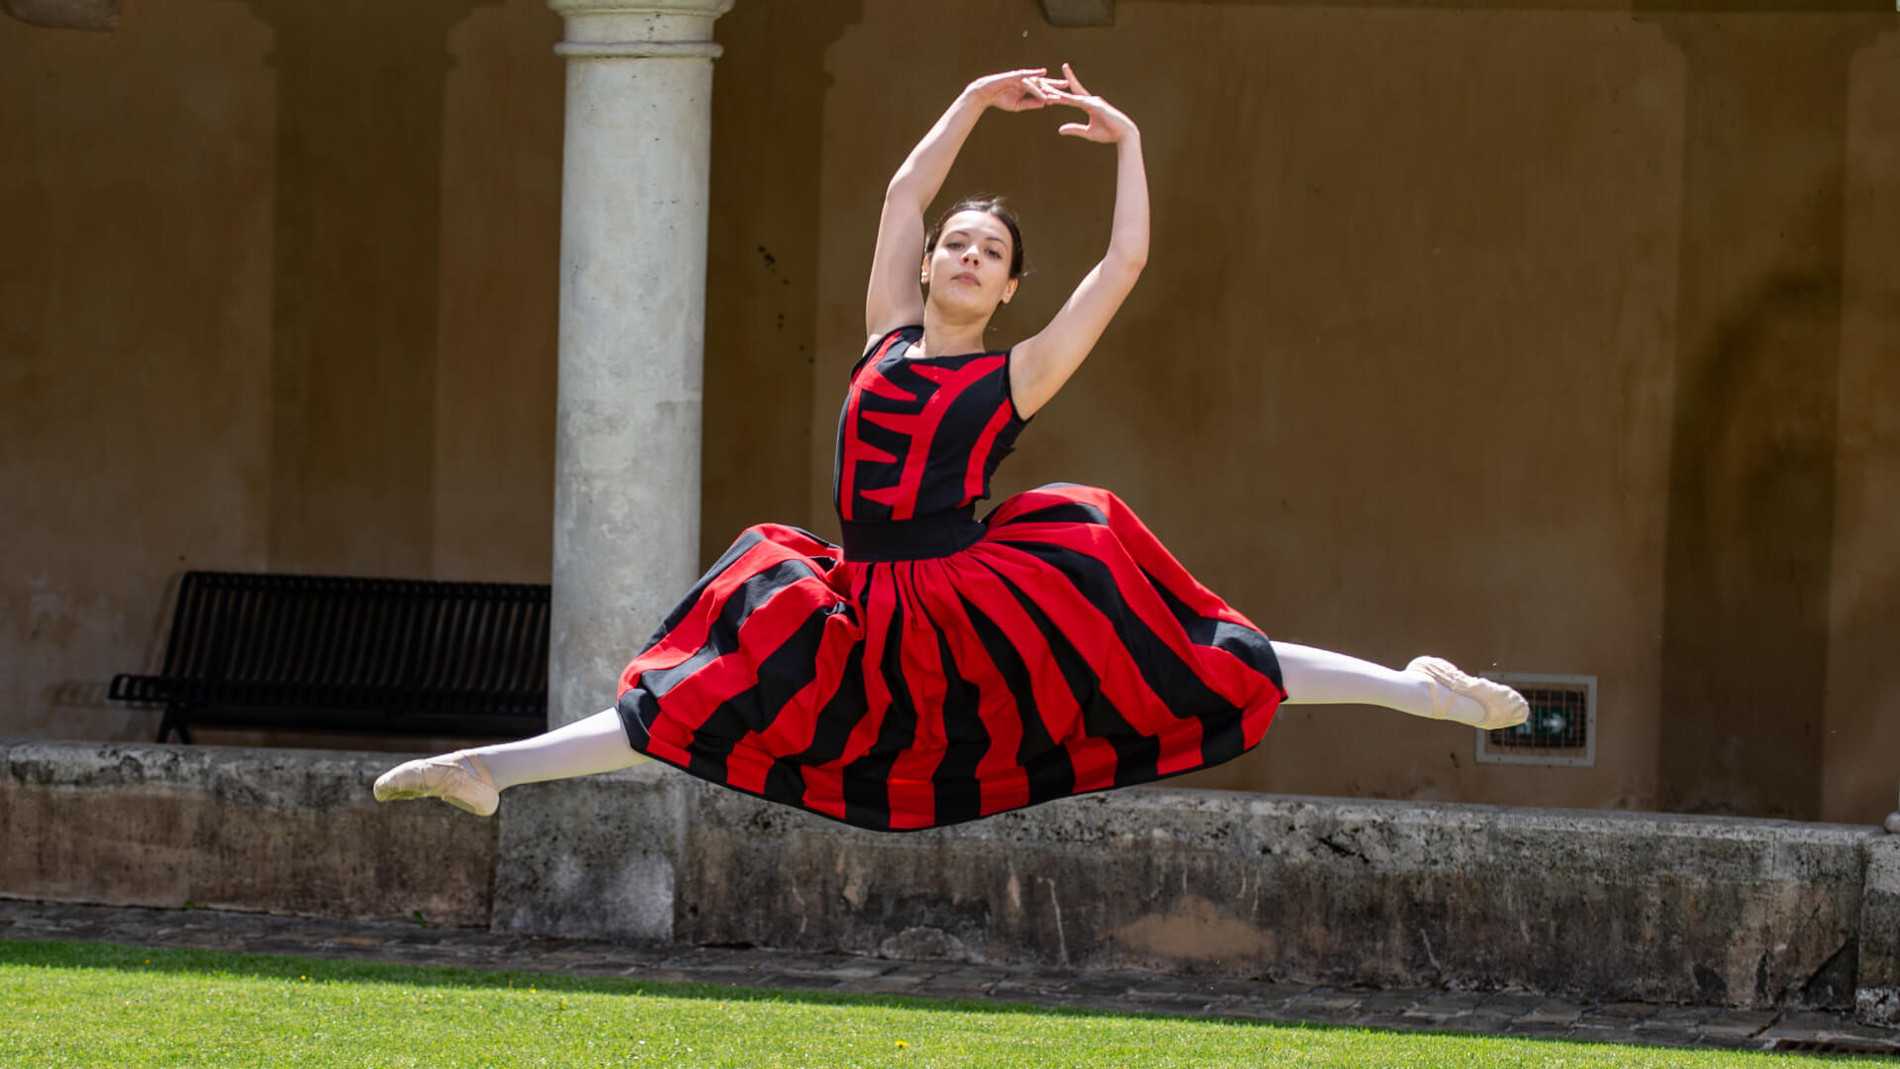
<point x="1503" y="707"/>
<point x="447" y="777"/>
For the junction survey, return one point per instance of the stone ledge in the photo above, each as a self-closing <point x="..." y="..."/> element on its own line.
<point x="284" y="831"/>
<point x="1587" y="904"/>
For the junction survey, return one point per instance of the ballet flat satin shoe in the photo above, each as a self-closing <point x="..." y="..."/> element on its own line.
<point x="444" y="777"/>
<point x="1503" y="707"/>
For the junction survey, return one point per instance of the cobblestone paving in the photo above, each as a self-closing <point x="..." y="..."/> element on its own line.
<point x="1495" y="1013"/>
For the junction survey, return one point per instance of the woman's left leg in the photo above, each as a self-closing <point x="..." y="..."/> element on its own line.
<point x="1427" y="687"/>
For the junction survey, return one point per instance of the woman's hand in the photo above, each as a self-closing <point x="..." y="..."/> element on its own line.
<point x="1023" y="90"/>
<point x="1106" y="123"/>
<point x="894" y="297"/>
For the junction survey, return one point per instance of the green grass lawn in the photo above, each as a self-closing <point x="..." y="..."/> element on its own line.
<point x="72" y="1004"/>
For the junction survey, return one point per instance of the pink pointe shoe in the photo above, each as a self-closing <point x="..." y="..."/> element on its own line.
<point x="447" y="777"/>
<point x="1503" y="707"/>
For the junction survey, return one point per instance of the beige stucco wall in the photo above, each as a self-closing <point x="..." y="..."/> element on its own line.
<point x="135" y="285"/>
<point x="1402" y="375"/>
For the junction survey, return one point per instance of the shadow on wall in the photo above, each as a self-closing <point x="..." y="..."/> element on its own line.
<point x="356" y="281"/>
<point x="764" y="236"/>
<point x="1756" y="426"/>
<point x="1751" y="536"/>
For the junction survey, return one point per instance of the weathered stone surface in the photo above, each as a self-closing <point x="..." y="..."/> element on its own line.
<point x="593" y="858"/>
<point x="289" y="831"/>
<point x="1604" y="905"/>
<point x="97" y="15"/>
<point x="1877" y="994"/>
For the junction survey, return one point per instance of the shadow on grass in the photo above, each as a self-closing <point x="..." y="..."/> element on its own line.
<point x="239" y="965"/>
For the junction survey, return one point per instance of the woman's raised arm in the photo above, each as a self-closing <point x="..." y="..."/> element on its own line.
<point x="1041" y="364"/>
<point x="895" y="297"/>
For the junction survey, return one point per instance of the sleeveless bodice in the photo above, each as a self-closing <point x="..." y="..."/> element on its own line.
<point x="920" y="437"/>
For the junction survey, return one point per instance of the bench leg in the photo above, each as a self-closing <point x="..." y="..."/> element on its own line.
<point x="174" y="721"/>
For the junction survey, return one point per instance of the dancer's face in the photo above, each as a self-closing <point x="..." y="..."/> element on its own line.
<point x="969" y="269"/>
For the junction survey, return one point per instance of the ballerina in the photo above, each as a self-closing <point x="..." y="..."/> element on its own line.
<point x="937" y="667"/>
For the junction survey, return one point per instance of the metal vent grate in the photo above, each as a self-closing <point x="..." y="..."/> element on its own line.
<point x="1561" y="730"/>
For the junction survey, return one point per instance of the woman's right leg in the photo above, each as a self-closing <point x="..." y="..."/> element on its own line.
<point x="1427" y="687"/>
<point x="473" y="779"/>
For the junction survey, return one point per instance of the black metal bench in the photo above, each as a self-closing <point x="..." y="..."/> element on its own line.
<point x="369" y="656"/>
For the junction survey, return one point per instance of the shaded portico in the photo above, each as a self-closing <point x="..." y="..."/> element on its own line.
<point x="1716" y="357"/>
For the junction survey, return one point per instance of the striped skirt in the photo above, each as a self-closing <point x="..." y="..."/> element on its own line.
<point x="1064" y="651"/>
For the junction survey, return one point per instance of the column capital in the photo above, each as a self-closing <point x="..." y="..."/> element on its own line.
<point x="99" y="16"/>
<point x="710" y="9"/>
<point x="1079" y="12"/>
<point x="639" y="29"/>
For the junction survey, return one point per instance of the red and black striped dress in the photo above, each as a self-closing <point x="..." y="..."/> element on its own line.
<point x="938" y="668"/>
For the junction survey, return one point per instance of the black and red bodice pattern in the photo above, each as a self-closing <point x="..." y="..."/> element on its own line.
<point x="938" y="668"/>
<point x="920" y="437"/>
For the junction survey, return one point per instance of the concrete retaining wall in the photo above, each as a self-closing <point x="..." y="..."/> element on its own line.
<point x="1582" y="903"/>
<point x="1594" y="905"/>
<point x="288" y="831"/>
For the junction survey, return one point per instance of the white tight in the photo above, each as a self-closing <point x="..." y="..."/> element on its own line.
<point x="596" y="744"/>
<point x="1322" y="677"/>
<point x="1312" y="677"/>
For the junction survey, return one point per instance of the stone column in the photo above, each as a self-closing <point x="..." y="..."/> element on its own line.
<point x="633" y="301"/>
